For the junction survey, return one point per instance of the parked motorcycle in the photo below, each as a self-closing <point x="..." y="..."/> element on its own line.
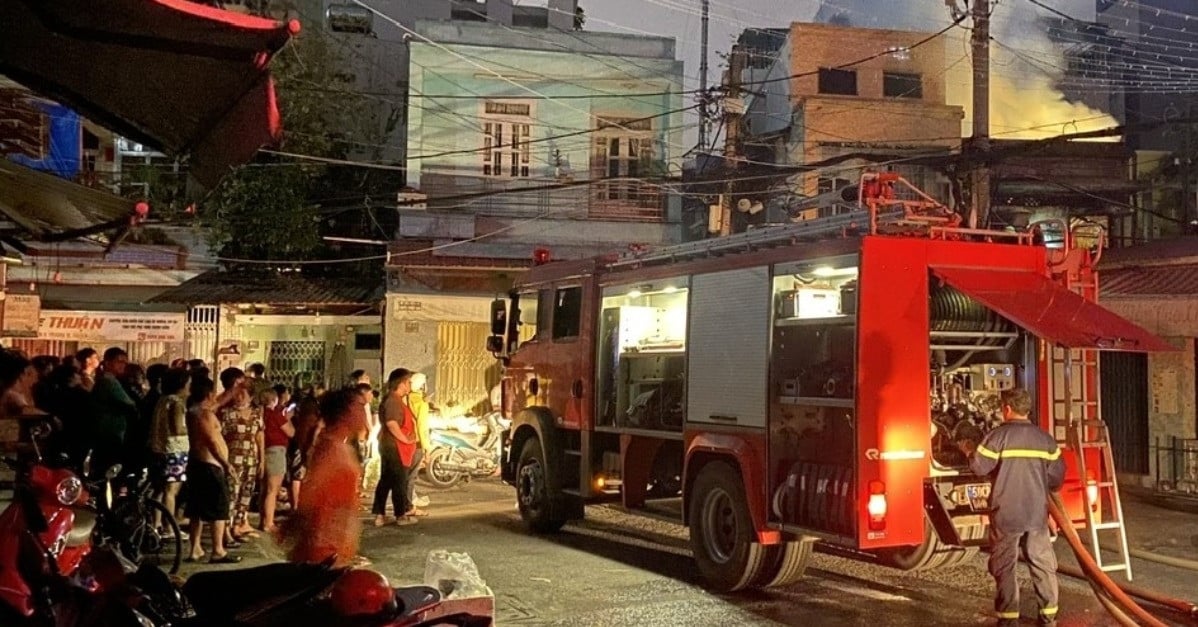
<point x="47" y="511"/>
<point x="456" y="458"/>
<point x="50" y="573"/>
<point x="303" y="595"/>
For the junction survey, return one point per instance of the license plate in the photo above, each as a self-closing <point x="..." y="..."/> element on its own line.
<point x="979" y="496"/>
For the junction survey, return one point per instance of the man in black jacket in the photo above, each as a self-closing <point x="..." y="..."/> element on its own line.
<point x="1025" y="465"/>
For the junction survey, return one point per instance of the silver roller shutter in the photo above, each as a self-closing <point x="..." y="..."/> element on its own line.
<point x="728" y="344"/>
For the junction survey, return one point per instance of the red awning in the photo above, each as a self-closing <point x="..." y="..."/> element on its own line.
<point x="182" y="77"/>
<point x="1050" y="311"/>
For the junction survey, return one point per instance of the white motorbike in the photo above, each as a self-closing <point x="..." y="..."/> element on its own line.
<point x="458" y="456"/>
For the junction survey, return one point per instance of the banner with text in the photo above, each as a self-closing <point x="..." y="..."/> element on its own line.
<point x="110" y="326"/>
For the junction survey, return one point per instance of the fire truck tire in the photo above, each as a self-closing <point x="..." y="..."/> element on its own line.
<point x="721" y="530"/>
<point x="784" y="564"/>
<point x="932" y="554"/>
<point x="533" y="493"/>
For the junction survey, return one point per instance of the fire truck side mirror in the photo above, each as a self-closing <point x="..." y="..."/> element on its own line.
<point x="498" y="316"/>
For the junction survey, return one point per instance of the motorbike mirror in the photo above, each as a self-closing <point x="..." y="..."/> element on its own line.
<point x="498" y="317"/>
<point x="113" y="472"/>
<point x="39" y="430"/>
<point x="495" y="344"/>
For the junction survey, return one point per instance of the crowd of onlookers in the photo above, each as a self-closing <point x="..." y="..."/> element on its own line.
<point x="217" y="449"/>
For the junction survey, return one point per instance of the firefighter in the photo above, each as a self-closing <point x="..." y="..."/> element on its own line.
<point x="1024" y="463"/>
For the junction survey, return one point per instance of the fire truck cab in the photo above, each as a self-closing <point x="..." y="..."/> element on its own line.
<point x="785" y="391"/>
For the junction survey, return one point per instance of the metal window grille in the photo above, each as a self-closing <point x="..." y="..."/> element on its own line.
<point x="296" y="362"/>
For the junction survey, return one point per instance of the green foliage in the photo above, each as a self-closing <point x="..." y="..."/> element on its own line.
<point x="271" y="208"/>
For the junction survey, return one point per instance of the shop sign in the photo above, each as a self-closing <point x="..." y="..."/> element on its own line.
<point x="110" y="326"/>
<point x="21" y="313"/>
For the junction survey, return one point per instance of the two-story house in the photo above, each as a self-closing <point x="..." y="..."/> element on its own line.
<point x="817" y="102"/>
<point x="521" y="138"/>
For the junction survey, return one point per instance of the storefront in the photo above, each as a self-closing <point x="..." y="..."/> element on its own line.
<point x="149" y="338"/>
<point x="443" y="336"/>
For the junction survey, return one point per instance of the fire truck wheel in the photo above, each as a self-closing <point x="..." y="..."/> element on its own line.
<point x="784" y="564"/>
<point x="933" y="553"/>
<point x="721" y="529"/>
<point x="532" y="490"/>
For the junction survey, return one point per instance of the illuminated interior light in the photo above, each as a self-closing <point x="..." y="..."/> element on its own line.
<point x="824" y="271"/>
<point x="669" y="289"/>
<point x="634" y="294"/>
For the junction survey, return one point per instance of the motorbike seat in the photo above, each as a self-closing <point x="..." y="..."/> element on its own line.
<point x="415" y="599"/>
<point x="81" y="530"/>
<point x="228" y="593"/>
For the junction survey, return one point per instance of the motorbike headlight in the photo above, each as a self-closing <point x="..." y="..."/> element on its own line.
<point x="69" y="490"/>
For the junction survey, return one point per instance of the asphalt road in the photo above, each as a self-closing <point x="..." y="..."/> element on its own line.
<point x="618" y="569"/>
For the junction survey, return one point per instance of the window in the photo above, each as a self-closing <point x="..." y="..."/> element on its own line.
<point x="567" y="312"/>
<point x="528" y="310"/>
<point x="368" y="342"/>
<point x="623" y="148"/>
<point x="900" y="85"/>
<point x="506" y="134"/>
<point x="833" y="81"/>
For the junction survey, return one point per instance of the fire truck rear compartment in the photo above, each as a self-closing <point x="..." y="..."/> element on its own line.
<point x="974" y="354"/>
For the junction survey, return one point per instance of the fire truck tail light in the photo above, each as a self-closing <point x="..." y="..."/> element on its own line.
<point x="877" y="506"/>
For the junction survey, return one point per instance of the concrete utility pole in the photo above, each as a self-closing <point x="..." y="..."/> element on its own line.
<point x="980" y="10"/>
<point x="703" y="83"/>
<point x="733" y="111"/>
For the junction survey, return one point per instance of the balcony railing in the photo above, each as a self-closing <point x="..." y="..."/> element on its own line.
<point x="617" y="200"/>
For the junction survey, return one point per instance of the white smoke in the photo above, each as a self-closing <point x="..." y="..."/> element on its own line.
<point x="1025" y="65"/>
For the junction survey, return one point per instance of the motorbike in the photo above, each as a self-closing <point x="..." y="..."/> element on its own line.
<point x="455" y="458"/>
<point x="48" y="509"/>
<point x="302" y="595"/>
<point x="50" y="572"/>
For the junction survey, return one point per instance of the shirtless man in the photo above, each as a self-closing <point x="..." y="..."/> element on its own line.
<point x="207" y="474"/>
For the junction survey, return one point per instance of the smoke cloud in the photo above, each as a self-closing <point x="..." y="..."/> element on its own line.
<point x="1025" y="65"/>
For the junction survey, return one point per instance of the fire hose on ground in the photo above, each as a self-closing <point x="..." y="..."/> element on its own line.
<point x="1116" y="598"/>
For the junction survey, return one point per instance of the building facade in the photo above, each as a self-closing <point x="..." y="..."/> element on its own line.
<point x="521" y="138"/>
<point x="1149" y="401"/>
<point x="812" y="110"/>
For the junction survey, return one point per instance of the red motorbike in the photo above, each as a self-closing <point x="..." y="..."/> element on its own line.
<point x="45" y="519"/>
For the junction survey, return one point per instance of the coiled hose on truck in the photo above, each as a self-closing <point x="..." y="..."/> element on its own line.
<point x="1116" y="598"/>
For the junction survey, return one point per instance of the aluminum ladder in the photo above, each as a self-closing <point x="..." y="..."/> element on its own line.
<point x="1076" y="397"/>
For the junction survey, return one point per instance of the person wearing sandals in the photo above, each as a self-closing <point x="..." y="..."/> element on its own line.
<point x="326" y="524"/>
<point x="278" y="433"/>
<point x="243" y="431"/>
<point x="208" y="470"/>
<point x="168" y="438"/>
<point x="397" y="451"/>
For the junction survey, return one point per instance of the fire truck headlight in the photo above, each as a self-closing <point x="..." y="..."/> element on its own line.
<point x="877" y="505"/>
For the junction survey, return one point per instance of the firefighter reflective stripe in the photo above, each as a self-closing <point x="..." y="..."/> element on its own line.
<point x="1049" y="611"/>
<point x="1008" y="614"/>
<point x="1019" y="452"/>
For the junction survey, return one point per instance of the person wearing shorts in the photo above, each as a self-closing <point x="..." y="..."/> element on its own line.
<point x="208" y="492"/>
<point x="168" y="440"/>
<point x="277" y="433"/>
<point x="208" y="469"/>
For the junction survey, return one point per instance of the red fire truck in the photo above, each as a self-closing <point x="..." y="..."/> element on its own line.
<point x="806" y="383"/>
